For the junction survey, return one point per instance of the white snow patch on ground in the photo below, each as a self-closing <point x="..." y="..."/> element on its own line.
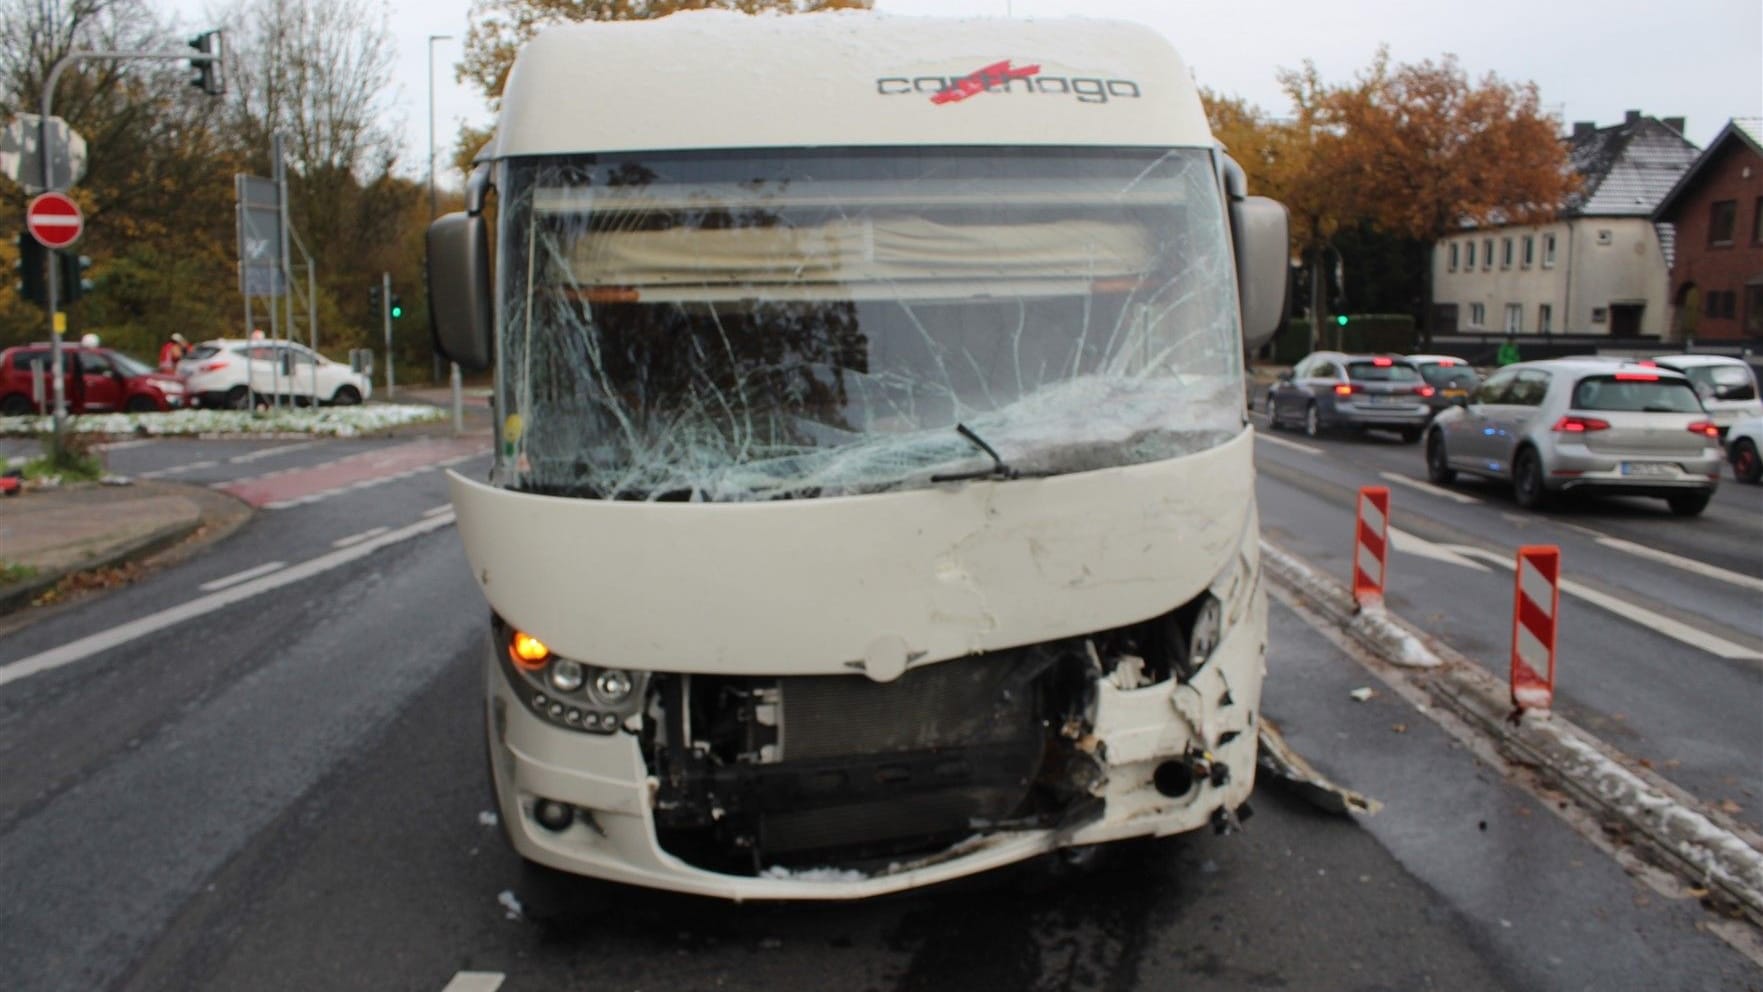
<point x="814" y="874"/>
<point x="1719" y="854"/>
<point x="1397" y="643"/>
<point x="487" y="819"/>
<point x="336" y="421"/>
<point x="511" y="904"/>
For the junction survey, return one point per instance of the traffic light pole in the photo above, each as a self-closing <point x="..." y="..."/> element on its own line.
<point x="56" y="363"/>
<point x="386" y="318"/>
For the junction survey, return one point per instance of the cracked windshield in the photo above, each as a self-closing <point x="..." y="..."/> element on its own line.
<point x="722" y="328"/>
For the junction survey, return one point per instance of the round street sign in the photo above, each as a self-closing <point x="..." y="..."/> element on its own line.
<point x="54" y="220"/>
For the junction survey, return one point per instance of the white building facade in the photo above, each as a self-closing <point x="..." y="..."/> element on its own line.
<point x="1601" y="268"/>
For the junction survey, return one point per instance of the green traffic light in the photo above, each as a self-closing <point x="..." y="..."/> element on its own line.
<point x="1341" y="320"/>
<point x="397" y="312"/>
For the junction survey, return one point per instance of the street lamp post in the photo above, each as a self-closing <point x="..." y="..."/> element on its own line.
<point x="453" y="373"/>
<point x="431" y="80"/>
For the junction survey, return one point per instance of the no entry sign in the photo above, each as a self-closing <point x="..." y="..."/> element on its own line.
<point x="54" y="220"/>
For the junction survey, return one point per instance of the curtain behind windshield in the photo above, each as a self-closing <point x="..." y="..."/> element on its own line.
<point x="777" y="324"/>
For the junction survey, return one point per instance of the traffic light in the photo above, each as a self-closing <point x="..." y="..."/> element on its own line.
<point x="373" y="298"/>
<point x="32" y="278"/>
<point x="209" y="78"/>
<point x="397" y="307"/>
<point x="1341" y="320"/>
<point x="72" y="275"/>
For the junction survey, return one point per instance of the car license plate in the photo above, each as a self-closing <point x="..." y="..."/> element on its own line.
<point x="1454" y="394"/>
<point x="1648" y="468"/>
<point x="1378" y="399"/>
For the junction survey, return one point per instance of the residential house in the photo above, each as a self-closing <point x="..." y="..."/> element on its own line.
<point x="1716" y="210"/>
<point x="1598" y="268"/>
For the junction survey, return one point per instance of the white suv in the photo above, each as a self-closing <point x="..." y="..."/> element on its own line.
<point x="1727" y="386"/>
<point x="215" y="375"/>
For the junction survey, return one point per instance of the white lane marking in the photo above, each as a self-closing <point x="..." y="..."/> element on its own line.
<point x="104" y="640"/>
<point x="1422" y="548"/>
<point x="245" y="576"/>
<point x="271" y="452"/>
<point x="1427" y="487"/>
<point x="121" y="445"/>
<point x="476" y="981"/>
<point x="1675" y="629"/>
<point x="1282" y="442"/>
<point x="160" y="473"/>
<point x="1678" y="561"/>
<point x="343" y="542"/>
<point x="435" y="510"/>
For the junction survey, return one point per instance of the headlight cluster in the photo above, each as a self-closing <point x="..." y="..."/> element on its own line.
<point x="565" y="692"/>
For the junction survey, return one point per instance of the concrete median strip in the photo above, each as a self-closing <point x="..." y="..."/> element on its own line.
<point x="1677" y="830"/>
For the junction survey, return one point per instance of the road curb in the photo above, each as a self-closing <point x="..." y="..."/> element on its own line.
<point x="1679" y="832"/>
<point x="20" y="595"/>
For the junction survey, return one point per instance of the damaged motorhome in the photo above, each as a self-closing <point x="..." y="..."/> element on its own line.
<point x="873" y="500"/>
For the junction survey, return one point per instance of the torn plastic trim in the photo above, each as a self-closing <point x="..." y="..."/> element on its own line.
<point x="1279" y="759"/>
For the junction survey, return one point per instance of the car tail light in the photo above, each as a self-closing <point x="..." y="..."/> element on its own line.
<point x="1705" y="428"/>
<point x="1580" y="425"/>
<point x="1647" y="363"/>
<point x="1425" y="391"/>
<point x="211" y="366"/>
<point x="1345" y="389"/>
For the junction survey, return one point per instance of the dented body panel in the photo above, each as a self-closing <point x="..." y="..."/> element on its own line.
<point x="831" y="586"/>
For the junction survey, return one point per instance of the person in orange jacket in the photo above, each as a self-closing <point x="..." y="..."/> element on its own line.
<point x="172" y="352"/>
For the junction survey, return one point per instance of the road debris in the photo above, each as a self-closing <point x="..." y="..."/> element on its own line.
<point x="1363" y="694"/>
<point x="1279" y="760"/>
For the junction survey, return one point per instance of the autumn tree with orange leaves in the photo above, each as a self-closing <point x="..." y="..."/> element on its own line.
<point x="1415" y="151"/>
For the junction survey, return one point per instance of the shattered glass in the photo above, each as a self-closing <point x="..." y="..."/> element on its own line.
<point x="732" y="326"/>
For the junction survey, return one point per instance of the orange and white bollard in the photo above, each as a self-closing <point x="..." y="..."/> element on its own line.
<point x="1371" y="546"/>
<point x="1536" y="605"/>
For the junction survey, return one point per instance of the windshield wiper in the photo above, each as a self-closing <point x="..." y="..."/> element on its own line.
<point x="999" y="470"/>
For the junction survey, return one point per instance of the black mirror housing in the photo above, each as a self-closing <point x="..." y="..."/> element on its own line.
<point x="459" y="290"/>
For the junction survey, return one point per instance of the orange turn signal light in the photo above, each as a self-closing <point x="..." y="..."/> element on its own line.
<point x="528" y="652"/>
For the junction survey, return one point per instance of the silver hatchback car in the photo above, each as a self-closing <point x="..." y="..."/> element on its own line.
<point x="1568" y="424"/>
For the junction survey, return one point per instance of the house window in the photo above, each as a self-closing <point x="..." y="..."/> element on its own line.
<point x="1530" y="249"/>
<point x="1754" y="309"/>
<point x="1545" y="318"/>
<point x="1469" y="254"/>
<point x="1454" y="252"/>
<point x="1478" y="315"/>
<point x="1757" y="222"/>
<point x="1548" y="251"/>
<point x="1598" y="314"/>
<point x="1721" y="218"/>
<point x="1487" y="253"/>
<point x="1505" y="253"/>
<point x="1514" y="318"/>
<point x="1722" y="304"/>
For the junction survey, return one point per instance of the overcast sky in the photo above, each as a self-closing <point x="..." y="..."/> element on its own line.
<point x="1591" y="59"/>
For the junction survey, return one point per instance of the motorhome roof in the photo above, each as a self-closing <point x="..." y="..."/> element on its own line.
<point x="715" y="79"/>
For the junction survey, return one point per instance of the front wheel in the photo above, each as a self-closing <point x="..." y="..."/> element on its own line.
<point x="1746" y="465"/>
<point x="15" y="405"/>
<point x="1438" y="464"/>
<point x="346" y="396"/>
<point x="1689" y="504"/>
<point x="237" y="398"/>
<point x="1312" y="421"/>
<point x="1527" y="481"/>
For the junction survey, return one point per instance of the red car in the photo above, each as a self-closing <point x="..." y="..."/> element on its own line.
<point x="98" y="380"/>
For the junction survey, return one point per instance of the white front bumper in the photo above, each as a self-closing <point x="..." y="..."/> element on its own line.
<point x="1139" y="730"/>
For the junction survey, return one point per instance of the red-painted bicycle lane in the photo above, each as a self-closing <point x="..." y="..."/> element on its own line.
<point x="277" y="490"/>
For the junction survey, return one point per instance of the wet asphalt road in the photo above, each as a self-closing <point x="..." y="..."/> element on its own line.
<point x="288" y="793"/>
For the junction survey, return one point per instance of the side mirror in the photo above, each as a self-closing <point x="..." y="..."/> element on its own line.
<point x="459" y="289"/>
<point x="1263" y="249"/>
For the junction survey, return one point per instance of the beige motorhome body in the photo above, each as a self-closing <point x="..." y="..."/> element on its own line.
<point x="873" y="501"/>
